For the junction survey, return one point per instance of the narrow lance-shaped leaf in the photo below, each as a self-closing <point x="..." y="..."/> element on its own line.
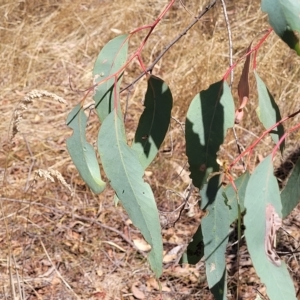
<point x="122" y="167"/>
<point x="111" y="58"/>
<point x="284" y="18"/>
<point x="290" y="196"/>
<point x="268" y="111"/>
<point x="154" y="121"/>
<point x="215" y="229"/>
<point x="221" y="205"/>
<point x="209" y="116"/>
<point x="243" y="88"/>
<point x="82" y="153"/>
<point x="262" y="192"/>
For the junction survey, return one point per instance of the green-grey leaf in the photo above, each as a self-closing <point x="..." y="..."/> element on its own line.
<point x="122" y="167"/>
<point x="82" y="153"/>
<point x="111" y="58"/>
<point x="219" y="290"/>
<point x="268" y="111"/>
<point x="222" y="211"/>
<point x="209" y="116"/>
<point x="263" y="189"/>
<point x="290" y="196"/>
<point x="195" y="249"/>
<point x="154" y="121"/>
<point x="284" y="18"/>
<point x="215" y="229"/>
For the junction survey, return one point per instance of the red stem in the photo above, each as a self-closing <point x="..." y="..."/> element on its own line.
<point x="254" y="49"/>
<point x="253" y="145"/>
<point x="137" y="53"/>
<point x="283" y="138"/>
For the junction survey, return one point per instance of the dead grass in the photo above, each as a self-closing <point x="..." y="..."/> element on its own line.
<point x="60" y="245"/>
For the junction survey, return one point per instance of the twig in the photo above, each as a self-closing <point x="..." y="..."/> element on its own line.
<point x="126" y="104"/>
<point x="22" y="296"/>
<point x="283" y="138"/>
<point x="12" y="286"/>
<point x="254" y="49"/>
<point x="31" y="165"/>
<point x="57" y="272"/>
<point x="235" y="136"/>
<point x="181" y="124"/>
<point x="231" y="70"/>
<point x="184" y="32"/>
<point x="261" y="295"/>
<point x="238" y="146"/>
<point x="186" y="198"/>
<point x="253" y="145"/>
<point x="137" y="53"/>
<point x="253" y="134"/>
<point x="191" y="188"/>
<point x="229" y="40"/>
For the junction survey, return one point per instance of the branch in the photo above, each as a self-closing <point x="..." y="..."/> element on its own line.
<point x="150" y="68"/>
<point x="253" y="145"/>
<point x="229" y="40"/>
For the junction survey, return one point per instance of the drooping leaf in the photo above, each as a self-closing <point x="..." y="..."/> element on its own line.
<point x="221" y="205"/>
<point x="215" y="229"/>
<point x="122" y="167"/>
<point x="243" y="88"/>
<point x="209" y="116"/>
<point x="284" y="18"/>
<point x="290" y="196"/>
<point x="268" y="111"/>
<point x="111" y="58"/>
<point x="82" y="153"/>
<point x="154" y="121"/>
<point x="243" y="85"/>
<point x="262" y="190"/>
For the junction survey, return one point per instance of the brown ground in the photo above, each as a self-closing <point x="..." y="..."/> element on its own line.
<point x="57" y="246"/>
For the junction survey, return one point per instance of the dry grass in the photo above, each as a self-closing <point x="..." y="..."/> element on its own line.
<point x="58" y="240"/>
